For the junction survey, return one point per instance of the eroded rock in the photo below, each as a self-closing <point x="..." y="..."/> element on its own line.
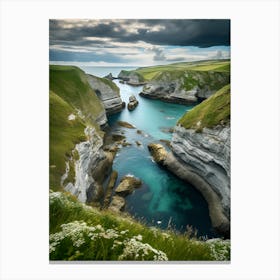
<point x="127" y="185"/>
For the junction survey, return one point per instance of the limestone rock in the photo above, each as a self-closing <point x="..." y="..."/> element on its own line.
<point x="127" y="185"/>
<point x="91" y="156"/>
<point x="131" y="78"/>
<point x="174" y="86"/>
<point x="132" y="104"/>
<point x="158" y="152"/>
<point x="208" y="155"/>
<point x="109" y="95"/>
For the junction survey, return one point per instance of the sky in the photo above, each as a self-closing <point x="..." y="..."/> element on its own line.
<point x="137" y="42"/>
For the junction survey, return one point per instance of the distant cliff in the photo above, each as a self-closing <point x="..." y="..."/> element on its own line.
<point x="183" y="83"/>
<point x="108" y="93"/>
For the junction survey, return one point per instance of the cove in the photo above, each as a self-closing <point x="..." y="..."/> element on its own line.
<point x="163" y="199"/>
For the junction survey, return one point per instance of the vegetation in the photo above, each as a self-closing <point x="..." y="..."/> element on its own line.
<point x="210" y="112"/>
<point x="150" y="73"/>
<point x="80" y="232"/>
<point x="70" y="94"/>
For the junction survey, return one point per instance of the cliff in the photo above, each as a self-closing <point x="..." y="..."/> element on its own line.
<point x="108" y="93"/>
<point x="132" y="78"/>
<point x="201" y="154"/>
<point x="77" y="160"/>
<point x="184" y="83"/>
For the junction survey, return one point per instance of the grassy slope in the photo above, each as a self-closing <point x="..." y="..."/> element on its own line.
<point x="69" y="89"/>
<point x="150" y="73"/>
<point x="64" y="208"/>
<point x="210" y="112"/>
<point x="70" y="83"/>
<point x="213" y="74"/>
<point x="109" y="83"/>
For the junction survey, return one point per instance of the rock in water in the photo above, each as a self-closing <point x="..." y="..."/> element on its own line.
<point x="127" y="185"/>
<point x="132" y="104"/>
<point x="158" y="153"/>
<point x="125" y="124"/>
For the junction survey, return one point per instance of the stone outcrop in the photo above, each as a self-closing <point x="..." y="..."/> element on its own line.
<point x="185" y="87"/>
<point x="132" y="78"/>
<point x="110" y="76"/>
<point x="158" y="153"/>
<point x="203" y="160"/>
<point x="208" y="155"/>
<point x="132" y="104"/>
<point x="127" y="185"/>
<point x="91" y="168"/>
<point x="107" y="92"/>
<point x="117" y="204"/>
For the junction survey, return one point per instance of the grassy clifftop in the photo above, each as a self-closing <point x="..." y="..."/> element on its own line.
<point x="212" y="74"/>
<point x="210" y="112"/>
<point x="70" y="83"/>
<point x="73" y="105"/>
<point x="150" y="73"/>
<point x="80" y="232"/>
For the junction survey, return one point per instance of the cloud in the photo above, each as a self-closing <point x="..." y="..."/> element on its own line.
<point x="139" y="42"/>
<point x="200" y="33"/>
<point x="158" y="54"/>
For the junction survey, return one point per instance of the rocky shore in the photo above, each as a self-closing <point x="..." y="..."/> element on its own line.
<point x="218" y="211"/>
<point x="184" y="87"/>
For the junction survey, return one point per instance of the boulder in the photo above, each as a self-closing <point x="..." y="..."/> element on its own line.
<point x="132" y="104"/>
<point x="158" y="152"/>
<point x="127" y="185"/>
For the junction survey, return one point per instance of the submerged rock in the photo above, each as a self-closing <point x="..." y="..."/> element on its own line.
<point x="127" y="185"/>
<point x="132" y="104"/>
<point x="125" y="124"/>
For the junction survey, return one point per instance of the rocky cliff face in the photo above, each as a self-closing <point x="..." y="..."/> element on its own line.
<point x="132" y="78"/>
<point x="87" y="185"/>
<point x="208" y="155"/>
<point x="184" y="87"/>
<point x="107" y="92"/>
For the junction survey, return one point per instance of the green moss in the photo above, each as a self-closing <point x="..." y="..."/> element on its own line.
<point x="210" y="112"/>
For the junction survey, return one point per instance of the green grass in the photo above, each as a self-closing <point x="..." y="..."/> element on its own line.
<point x="64" y="135"/>
<point x="150" y="73"/>
<point x="69" y="92"/>
<point x="118" y="231"/>
<point x="70" y="83"/>
<point x="109" y="83"/>
<point x="210" y="112"/>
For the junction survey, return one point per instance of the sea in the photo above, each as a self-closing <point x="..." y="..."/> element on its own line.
<point x="163" y="200"/>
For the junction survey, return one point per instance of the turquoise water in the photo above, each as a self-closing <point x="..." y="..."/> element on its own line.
<point x="163" y="198"/>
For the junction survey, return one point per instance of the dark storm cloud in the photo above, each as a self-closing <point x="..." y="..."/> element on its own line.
<point x="200" y="33"/>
